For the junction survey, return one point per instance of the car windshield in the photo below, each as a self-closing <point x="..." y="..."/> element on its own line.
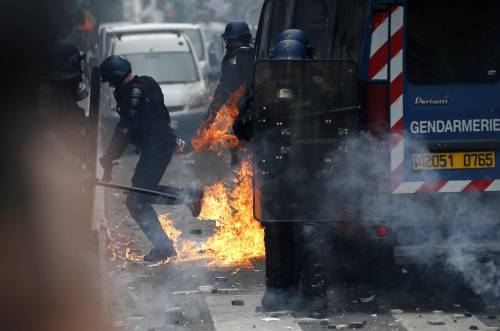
<point x="195" y="37"/>
<point x="165" y="68"/>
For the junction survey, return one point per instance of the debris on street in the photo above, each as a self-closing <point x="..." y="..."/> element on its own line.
<point x="227" y="290"/>
<point x="307" y="320"/>
<point x="185" y="292"/>
<point x="436" y="322"/>
<point x="280" y="313"/>
<point x="397" y="311"/>
<point x="206" y="288"/>
<point x="238" y="302"/>
<point x="196" y="231"/>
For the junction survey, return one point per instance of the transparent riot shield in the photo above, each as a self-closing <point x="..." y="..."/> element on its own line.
<point x="306" y="112"/>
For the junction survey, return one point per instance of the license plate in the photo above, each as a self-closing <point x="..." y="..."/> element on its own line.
<point x="458" y="160"/>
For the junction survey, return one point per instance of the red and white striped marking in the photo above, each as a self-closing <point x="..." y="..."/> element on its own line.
<point x="386" y="63"/>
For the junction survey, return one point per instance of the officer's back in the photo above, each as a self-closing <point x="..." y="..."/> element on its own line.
<point x="140" y="103"/>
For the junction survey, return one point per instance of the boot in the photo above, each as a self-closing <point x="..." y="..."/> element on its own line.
<point x="280" y="271"/>
<point x="157" y="255"/>
<point x="314" y="244"/>
<point x="275" y="299"/>
<point x="317" y="307"/>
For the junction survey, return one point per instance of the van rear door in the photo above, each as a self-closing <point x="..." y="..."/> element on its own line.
<point x="445" y="113"/>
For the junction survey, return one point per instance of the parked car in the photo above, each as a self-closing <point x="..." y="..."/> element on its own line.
<point x="192" y="31"/>
<point x="169" y="58"/>
<point x="105" y="34"/>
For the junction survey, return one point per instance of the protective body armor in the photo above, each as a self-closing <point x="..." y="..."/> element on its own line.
<point x="236" y="70"/>
<point x="144" y="118"/>
<point x="61" y="119"/>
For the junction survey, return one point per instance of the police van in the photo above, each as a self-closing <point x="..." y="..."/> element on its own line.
<point x="425" y="75"/>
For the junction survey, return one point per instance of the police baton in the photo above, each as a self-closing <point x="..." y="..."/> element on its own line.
<point x="135" y="189"/>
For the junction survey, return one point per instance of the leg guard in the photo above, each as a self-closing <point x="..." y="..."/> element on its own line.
<point x="143" y="213"/>
<point x="313" y="242"/>
<point x="280" y="269"/>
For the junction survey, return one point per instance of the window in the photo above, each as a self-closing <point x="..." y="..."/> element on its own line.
<point x="165" y="68"/>
<point x="349" y="29"/>
<point x="312" y="17"/>
<point x="453" y="44"/>
<point x="195" y="38"/>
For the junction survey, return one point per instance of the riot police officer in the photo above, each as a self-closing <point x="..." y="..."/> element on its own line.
<point x="287" y="46"/>
<point x="296" y="272"/>
<point x="145" y="122"/>
<point x="236" y="68"/>
<point x="301" y="37"/>
<point x="61" y="118"/>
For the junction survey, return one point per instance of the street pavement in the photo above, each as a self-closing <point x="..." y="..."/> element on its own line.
<point x="179" y="295"/>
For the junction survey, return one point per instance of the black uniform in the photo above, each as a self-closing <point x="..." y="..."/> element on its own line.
<point x="62" y="121"/>
<point x="296" y="269"/>
<point x="145" y="122"/>
<point x="236" y="71"/>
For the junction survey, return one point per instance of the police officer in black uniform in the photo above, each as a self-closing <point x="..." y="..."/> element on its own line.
<point x="296" y="270"/>
<point x="145" y="122"/>
<point x="61" y="118"/>
<point x="236" y="64"/>
<point x="243" y="126"/>
<point x="236" y="69"/>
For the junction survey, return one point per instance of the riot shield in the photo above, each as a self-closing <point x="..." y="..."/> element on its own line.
<point x="305" y="113"/>
<point x="91" y="132"/>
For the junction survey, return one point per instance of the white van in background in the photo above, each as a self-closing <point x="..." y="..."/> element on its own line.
<point x="171" y="60"/>
<point x="192" y="31"/>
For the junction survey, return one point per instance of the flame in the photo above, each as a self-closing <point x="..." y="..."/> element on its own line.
<point x="237" y="240"/>
<point x="215" y="135"/>
<point x="239" y="237"/>
<point x="186" y="250"/>
<point x="133" y="256"/>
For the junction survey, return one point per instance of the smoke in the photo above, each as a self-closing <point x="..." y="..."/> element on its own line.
<point x="449" y="229"/>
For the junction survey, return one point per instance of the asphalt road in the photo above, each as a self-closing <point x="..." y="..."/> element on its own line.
<point x="168" y="297"/>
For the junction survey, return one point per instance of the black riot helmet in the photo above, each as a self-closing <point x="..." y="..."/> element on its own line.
<point x="297" y="35"/>
<point x="289" y="50"/>
<point x="65" y="61"/>
<point x="237" y="31"/>
<point x="114" y="69"/>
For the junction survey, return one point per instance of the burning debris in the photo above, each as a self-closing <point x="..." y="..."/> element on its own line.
<point x="238" y="238"/>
